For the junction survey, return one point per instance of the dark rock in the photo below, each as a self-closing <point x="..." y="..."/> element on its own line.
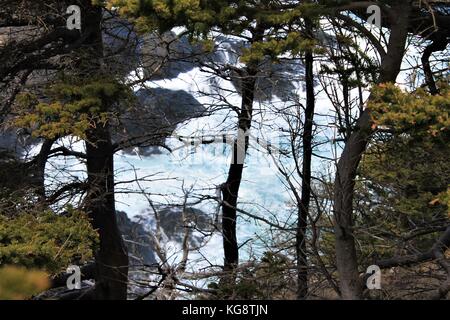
<point x="172" y="223"/>
<point x="156" y="116"/>
<point x="137" y="240"/>
<point x="167" y="56"/>
<point x="137" y="232"/>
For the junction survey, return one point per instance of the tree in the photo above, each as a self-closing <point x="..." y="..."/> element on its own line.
<point x="400" y="23"/>
<point x="405" y="171"/>
<point x="302" y="262"/>
<point x="80" y="110"/>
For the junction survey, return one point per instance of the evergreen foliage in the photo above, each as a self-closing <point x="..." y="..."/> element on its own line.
<point x="45" y="240"/>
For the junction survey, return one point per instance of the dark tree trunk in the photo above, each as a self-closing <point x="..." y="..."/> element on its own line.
<point x="347" y="262"/>
<point x="302" y="224"/>
<point x="111" y="258"/>
<point x="230" y="189"/>
<point x="38" y="168"/>
<point x="440" y="42"/>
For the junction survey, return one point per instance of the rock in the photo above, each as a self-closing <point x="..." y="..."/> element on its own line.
<point x="137" y="232"/>
<point x="172" y="224"/>
<point x="156" y="116"/>
<point x="137" y="240"/>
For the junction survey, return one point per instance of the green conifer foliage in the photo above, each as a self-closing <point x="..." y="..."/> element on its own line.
<point x="46" y="240"/>
<point x="273" y="19"/>
<point x="405" y="172"/>
<point x="76" y="105"/>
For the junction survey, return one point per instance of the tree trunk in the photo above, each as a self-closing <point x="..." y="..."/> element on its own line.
<point x="440" y="42"/>
<point x="230" y="189"/>
<point x="39" y="168"/>
<point x="347" y="262"/>
<point x="111" y="258"/>
<point x="302" y="224"/>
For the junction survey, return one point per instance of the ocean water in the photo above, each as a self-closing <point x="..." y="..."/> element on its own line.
<point x="203" y="168"/>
